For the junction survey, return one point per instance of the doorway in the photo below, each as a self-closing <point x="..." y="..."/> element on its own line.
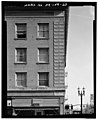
<point x="39" y="112"/>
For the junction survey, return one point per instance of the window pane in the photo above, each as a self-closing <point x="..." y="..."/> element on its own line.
<point x="21" y="79"/>
<point x="21" y="27"/>
<point x="43" y="76"/>
<point x="45" y="27"/>
<point x="43" y="50"/>
<point x="21" y="30"/>
<point x="43" y="30"/>
<point x="46" y="34"/>
<point x="43" y="79"/>
<point x="23" y="76"/>
<point x="21" y="55"/>
<point x="18" y="82"/>
<point x="18" y="76"/>
<point x="21" y="34"/>
<point x="43" y="83"/>
<point x="23" y="83"/>
<point x="41" y="34"/>
<point x="43" y="55"/>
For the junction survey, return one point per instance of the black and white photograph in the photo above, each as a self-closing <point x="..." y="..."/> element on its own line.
<point x="48" y="59"/>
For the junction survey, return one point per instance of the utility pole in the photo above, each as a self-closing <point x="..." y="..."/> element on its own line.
<point x="81" y="94"/>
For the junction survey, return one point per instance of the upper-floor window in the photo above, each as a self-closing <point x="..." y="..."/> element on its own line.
<point x="20" y="79"/>
<point x="43" y="78"/>
<point x="20" y="55"/>
<point x="43" y="30"/>
<point x="20" y="30"/>
<point x="43" y="55"/>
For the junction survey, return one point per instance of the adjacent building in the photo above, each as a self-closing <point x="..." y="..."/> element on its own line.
<point x="36" y="58"/>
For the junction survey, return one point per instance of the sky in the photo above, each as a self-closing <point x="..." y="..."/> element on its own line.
<point x="80" y="54"/>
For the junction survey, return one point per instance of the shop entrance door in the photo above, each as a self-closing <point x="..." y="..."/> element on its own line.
<point x="38" y="113"/>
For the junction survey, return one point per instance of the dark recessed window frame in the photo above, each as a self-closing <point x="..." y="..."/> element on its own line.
<point x="20" y="31"/>
<point x="43" y="79"/>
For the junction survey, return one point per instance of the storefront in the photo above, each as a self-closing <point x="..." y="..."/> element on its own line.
<point x="19" y="105"/>
<point x="37" y="111"/>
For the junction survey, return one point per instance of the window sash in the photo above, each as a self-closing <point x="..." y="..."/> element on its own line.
<point x="43" y="76"/>
<point x="43" y="82"/>
<point x="21" y="79"/>
<point x="20" y="55"/>
<point x="43" y="27"/>
<point x="43" y="55"/>
<point x="20" y="30"/>
<point x="43" y="79"/>
<point x="43" y="30"/>
<point x="21" y="83"/>
<point x="21" y="27"/>
<point x="43" y="34"/>
<point x="43" y="58"/>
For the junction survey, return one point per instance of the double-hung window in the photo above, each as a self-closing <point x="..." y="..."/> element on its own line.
<point x="20" y="30"/>
<point x="43" y="78"/>
<point x="21" y="79"/>
<point x="43" y="55"/>
<point x="43" y="30"/>
<point x="20" y="55"/>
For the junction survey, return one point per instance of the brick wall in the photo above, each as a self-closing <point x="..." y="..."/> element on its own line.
<point x="55" y="44"/>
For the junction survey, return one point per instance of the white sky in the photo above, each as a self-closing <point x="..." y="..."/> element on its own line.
<point x="80" y="53"/>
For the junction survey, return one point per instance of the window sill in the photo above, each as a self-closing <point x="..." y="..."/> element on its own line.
<point x="20" y="87"/>
<point x="20" y="38"/>
<point x="42" y="38"/>
<point x="43" y="87"/>
<point x="20" y="63"/>
<point x="42" y="63"/>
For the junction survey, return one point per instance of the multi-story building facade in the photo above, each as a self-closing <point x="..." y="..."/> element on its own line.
<point x="36" y="58"/>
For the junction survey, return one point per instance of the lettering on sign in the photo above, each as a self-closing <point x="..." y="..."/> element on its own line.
<point x="58" y="93"/>
<point x="34" y="104"/>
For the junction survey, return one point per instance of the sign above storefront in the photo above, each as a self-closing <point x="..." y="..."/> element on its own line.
<point x="58" y="93"/>
<point x="35" y="105"/>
